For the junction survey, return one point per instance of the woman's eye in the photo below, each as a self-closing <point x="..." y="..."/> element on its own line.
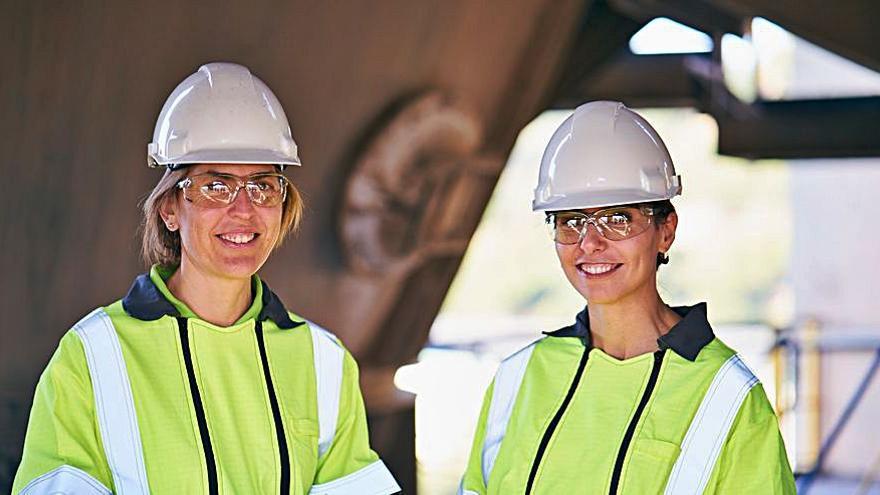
<point x="265" y="184"/>
<point x="571" y="223"/>
<point x="617" y="219"/>
<point x="217" y="187"/>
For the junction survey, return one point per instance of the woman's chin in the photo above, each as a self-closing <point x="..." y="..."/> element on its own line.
<point x="238" y="267"/>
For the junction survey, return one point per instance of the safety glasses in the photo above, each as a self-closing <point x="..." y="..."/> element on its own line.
<point x="614" y="224"/>
<point x="215" y="190"/>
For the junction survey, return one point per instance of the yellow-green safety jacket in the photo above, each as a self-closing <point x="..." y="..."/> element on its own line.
<point x="564" y="417"/>
<point x="143" y="396"/>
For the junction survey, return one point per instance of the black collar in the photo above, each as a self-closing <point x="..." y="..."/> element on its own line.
<point x="144" y="301"/>
<point x="687" y="338"/>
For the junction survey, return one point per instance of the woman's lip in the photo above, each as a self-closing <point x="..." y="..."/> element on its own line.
<point x="238" y="240"/>
<point x="598" y="270"/>
<point x="236" y="232"/>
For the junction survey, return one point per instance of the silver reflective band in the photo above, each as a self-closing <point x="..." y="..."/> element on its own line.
<point x="506" y="387"/>
<point x="462" y="491"/>
<point x="114" y="405"/>
<point x="65" y="480"/>
<point x="374" y="479"/>
<point x="708" y="430"/>
<point x="328" y="359"/>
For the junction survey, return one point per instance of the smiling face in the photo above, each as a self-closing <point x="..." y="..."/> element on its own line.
<point x="607" y="272"/>
<point x="231" y="241"/>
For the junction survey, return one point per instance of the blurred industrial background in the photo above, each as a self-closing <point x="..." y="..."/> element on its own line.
<point x="420" y="125"/>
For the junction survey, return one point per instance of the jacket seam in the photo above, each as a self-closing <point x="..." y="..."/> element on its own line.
<point x="186" y="401"/>
<point x="645" y="415"/>
<point x="573" y="385"/>
<point x="269" y="390"/>
<point x="185" y="333"/>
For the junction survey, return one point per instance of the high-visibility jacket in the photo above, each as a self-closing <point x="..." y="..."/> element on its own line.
<point x="142" y="396"/>
<point x="564" y="417"/>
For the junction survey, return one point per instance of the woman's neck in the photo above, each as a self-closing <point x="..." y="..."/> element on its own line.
<point x="629" y="328"/>
<point x="217" y="300"/>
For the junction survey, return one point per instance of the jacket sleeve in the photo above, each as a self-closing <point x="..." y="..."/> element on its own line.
<point x="753" y="459"/>
<point x="62" y="448"/>
<point x="472" y="482"/>
<point x="349" y="465"/>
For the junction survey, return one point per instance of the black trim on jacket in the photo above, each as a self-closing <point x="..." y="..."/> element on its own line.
<point x="687" y="338"/>
<point x="145" y="301"/>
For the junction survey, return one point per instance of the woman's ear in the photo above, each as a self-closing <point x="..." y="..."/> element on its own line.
<point x="667" y="232"/>
<point x="168" y="212"/>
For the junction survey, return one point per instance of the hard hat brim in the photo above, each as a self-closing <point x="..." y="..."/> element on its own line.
<point x="227" y="156"/>
<point x="597" y="200"/>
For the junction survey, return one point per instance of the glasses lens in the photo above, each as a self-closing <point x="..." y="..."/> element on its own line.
<point x="210" y="190"/>
<point x="218" y="190"/>
<point x="266" y="190"/>
<point x="622" y="223"/>
<point x="614" y="224"/>
<point x="567" y="227"/>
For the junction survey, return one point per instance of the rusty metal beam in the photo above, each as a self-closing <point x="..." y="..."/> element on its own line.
<point x="84" y="76"/>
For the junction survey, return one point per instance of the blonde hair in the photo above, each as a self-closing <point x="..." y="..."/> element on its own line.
<point x="161" y="246"/>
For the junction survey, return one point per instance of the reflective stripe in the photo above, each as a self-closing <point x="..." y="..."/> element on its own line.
<point x="709" y="428"/>
<point x="462" y="491"/>
<point x="65" y="480"/>
<point x="328" y="357"/>
<point x="507" y="381"/>
<point x="374" y="479"/>
<point x="114" y="405"/>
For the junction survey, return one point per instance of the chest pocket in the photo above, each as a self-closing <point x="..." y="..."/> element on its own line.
<point x="650" y="463"/>
<point x="304" y="444"/>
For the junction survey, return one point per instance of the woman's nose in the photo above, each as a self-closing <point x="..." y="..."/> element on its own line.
<point x="592" y="240"/>
<point x="242" y="203"/>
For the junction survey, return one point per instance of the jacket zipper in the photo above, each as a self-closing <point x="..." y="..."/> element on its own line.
<point x="548" y="433"/>
<point x="631" y="429"/>
<point x="200" y="411"/>
<point x="276" y="413"/>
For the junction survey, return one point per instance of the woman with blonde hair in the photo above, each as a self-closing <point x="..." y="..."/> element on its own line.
<point x="200" y="380"/>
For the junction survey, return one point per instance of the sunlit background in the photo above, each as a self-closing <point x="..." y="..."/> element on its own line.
<point x="735" y="245"/>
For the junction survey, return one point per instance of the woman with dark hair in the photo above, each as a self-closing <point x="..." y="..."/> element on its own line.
<point x="635" y="397"/>
<point x="199" y="380"/>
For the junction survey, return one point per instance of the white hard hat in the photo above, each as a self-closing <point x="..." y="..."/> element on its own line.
<point x="604" y="154"/>
<point x="222" y="114"/>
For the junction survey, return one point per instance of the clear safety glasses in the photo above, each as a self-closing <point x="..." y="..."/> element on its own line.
<point x="214" y="190"/>
<point x="614" y="224"/>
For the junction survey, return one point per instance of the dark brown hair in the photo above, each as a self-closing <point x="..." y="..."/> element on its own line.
<point x="662" y="210"/>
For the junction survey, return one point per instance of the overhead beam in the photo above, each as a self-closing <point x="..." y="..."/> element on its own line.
<point x="639" y="81"/>
<point x="847" y="28"/>
<point x="695" y="13"/>
<point x="603" y="33"/>
<point x="835" y="128"/>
